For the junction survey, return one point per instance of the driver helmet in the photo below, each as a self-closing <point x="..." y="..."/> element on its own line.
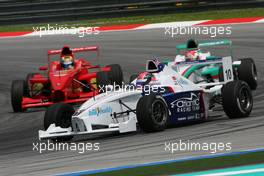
<point x="193" y="50"/>
<point x="67" y="58"/>
<point x="192" y="44"/>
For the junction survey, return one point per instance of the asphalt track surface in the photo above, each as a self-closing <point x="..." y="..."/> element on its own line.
<point x="130" y="49"/>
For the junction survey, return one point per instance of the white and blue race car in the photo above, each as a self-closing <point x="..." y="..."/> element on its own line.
<point x="155" y="99"/>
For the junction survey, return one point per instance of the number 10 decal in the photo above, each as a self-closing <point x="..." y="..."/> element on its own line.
<point x="228" y="74"/>
<point x="228" y="69"/>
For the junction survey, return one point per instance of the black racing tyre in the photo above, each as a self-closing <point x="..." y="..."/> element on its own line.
<point x="102" y="79"/>
<point x="116" y="74"/>
<point x="60" y="114"/>
<point x="237" y="99"/>
<point x="18" y="90"/>
<point x="48" y="117"/>
<point x="132" y="78"/>
<point x="247" y="72"/>
<point x="152" y="113"/>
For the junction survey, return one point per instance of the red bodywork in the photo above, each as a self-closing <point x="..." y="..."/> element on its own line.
<point x="59" y="85"/>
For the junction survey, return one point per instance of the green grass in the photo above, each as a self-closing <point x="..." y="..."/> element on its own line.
<point x="190" y="166"/>
<point x="220" y="14"/>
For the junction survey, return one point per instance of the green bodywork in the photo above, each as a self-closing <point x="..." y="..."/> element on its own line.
<point x="207" y="43"/>
<point x="213" y="70"/>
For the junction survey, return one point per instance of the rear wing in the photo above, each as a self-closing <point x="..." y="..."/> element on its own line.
<point x="226" y="62"/>
<point x="75" y="50"/>
<point x="207" y="43"/>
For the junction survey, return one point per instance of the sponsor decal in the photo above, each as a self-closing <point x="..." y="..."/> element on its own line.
<point x="187" y="104"/>
<point x="182" y="81"/>
<point x="182" y="118"/>
<point x="191" y="117"/>
<point x="178" y="81"/>
<point x="100" y="110"/>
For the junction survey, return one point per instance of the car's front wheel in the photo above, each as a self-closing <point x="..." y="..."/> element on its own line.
<point x="237" y="99"/>
<point x="19" y="89"/>
<point x="60" y="114"/>
<point x="152" y="113"/>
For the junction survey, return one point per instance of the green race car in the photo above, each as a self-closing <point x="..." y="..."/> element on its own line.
<point x="192" y="51"/>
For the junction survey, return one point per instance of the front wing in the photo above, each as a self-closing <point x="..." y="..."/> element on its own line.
<point x="54" y="131"/>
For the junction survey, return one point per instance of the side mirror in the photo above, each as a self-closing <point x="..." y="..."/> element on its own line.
<point x="43" y="68"/>
<point x="152" y="66"/>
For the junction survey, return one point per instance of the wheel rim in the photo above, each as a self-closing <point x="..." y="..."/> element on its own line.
<point x="159" y="113"/>
<point x="245" y="99"/>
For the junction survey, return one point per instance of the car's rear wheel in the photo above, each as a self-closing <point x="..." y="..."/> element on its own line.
<point x="247" y="72"/>
<point x="152" y="113"/>
<point x="116" y="74"/>
<point x="237" y="99"/>
<point x="19" y="89"/>
<point x="60" y="114"/>
<point x="102" y="79"/>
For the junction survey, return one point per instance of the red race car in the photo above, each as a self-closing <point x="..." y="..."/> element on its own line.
<point x="67" y="80"/>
